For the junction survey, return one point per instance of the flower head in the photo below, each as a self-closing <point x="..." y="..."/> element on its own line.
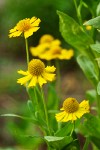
<point x="26" y="26"/>
<point x="57" y="52"/>
<point x="46" y="42"/>
<point x="37" y="73"/>
<point x="72" y="110"/>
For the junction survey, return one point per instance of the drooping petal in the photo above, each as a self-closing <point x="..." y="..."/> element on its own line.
<point x="24" y="80"/>
<point x="48" y="76"/>
<point x="60" y="116"/>
<point x="23" y="72"/>
<point x="33" y="81"/>
<point x="30" y="32"/>
<point x="41" y="81"/>
<point x="50" y="69"/>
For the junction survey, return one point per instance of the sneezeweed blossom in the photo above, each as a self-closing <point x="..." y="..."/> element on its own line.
<point x="46" y="43"/>
<point x="26" y="27"/>
<point x="72" y="110"/>
<point x="36" y="73"/>
<point x="57" y="52"/>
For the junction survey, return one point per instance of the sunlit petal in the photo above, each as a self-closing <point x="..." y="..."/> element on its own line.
<point x="24" y="80"/>
<point x="33" y="81"/>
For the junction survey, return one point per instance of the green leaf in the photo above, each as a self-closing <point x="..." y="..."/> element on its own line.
<point x="58" y="142"/>
<point x="95" y="22"/>
<point x="52" y="97"/>
<point x="88" y="68"/>
<point x="30" y="106"/>
<point x="98" y="10"/>
<point x="21" y="117"/>
<point x="73" y="33"/>
<point x="98" y="88"/>
<point x="92" y="126"/>
<point x="64" y="131"/>
<point x="91" y="95"/>
<point x="96" y="47"/>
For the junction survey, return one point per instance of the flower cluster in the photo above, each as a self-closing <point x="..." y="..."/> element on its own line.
<point x="50" y="48"/>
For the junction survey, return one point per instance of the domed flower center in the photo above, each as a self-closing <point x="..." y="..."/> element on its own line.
<point x="23" y="25"/>
<point x="70" y="105"/>
<point x="36" y="67"/>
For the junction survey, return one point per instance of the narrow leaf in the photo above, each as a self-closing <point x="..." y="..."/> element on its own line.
<point x="98" y="88"/>
<point x="88" y="68"/>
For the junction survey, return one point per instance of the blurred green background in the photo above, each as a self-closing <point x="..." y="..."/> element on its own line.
<point x="13" y="98"/>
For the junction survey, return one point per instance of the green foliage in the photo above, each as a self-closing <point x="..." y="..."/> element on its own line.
<point x="58" y="142"/>
<point x="88" y="68"/>
<point x="98" y="88"/>
<point x="91" y="95"/>
<point x="91" y="128"/>
<point x="95" y="22"/>
<point x="74" y="34"/>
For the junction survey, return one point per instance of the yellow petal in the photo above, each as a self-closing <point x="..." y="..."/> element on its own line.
<point x="50" y="69"/>
<point x="23" y="72"/>
<point x="24" y="80"/>
<point x="36" y="22"/>
<point x="48" y="76"/>
<point x="33" y="19"/>
<point x="33" y="81"/>
<point x="41" y="81"/>
<point x="13" y="30"/>
<point x="60" y="116"/>
<point x="85" y="105"/>
<point x="15" y="34"/>
<point x="30" y="32"/>
<point x="62" y="108"/>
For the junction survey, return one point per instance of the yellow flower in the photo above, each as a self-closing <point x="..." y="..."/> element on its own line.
<point x="26" y="26"/>
<point x="46" y="43"/>
<point x="72" y="110"/>
<point x="37" y="73"/>
<point x="57" y="52"/>
<point x="88" y="27"/>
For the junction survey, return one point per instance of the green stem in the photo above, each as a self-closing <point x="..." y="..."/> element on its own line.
<point x="78" y="11"/>
<point x="45" y="111"/>
<point x="58" y="77"/>
<point x="85" y="147"/>
<point x="27" y="52"/>
<point x="72" y="128"/>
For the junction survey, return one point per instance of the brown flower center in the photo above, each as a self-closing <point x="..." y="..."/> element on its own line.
<point x="70" y="105"/>
<point x="36" y="67"/>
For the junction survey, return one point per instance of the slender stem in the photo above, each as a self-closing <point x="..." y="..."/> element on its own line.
<point x="58" y="77"/>
<point x="85" y="147"/>
<point x="72" y="128"/>
<point x="45" y="111"/>
<point x="27" y="52"/>
<point x="78" y="11"/>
